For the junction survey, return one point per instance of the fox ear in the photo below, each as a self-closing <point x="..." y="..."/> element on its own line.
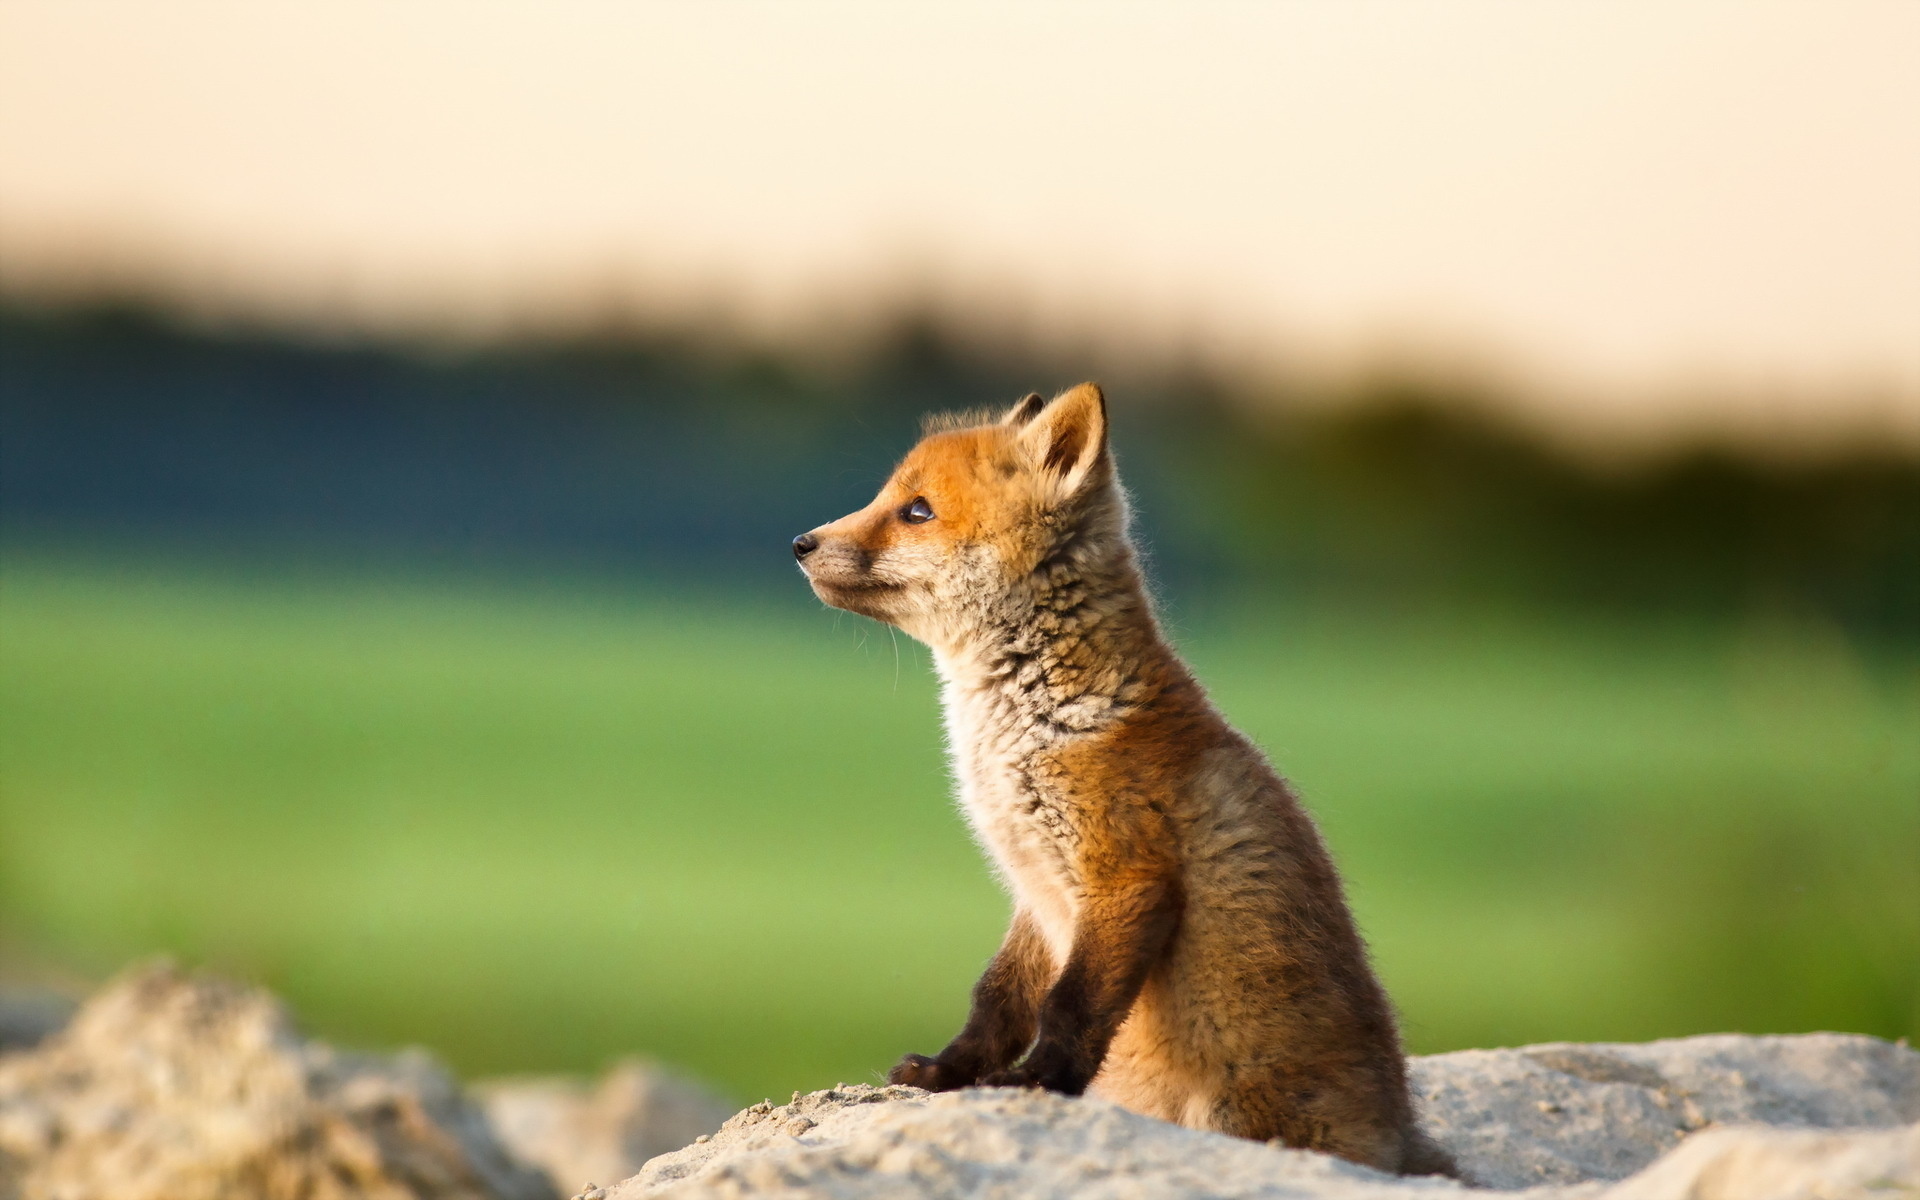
<point x="1024" y="411"/>
<point x="1068" y="438"/>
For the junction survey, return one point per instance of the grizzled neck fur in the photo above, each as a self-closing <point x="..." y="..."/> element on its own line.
<point x="1070" y="649"/>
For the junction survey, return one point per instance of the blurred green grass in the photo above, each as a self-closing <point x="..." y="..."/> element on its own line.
<point x="537" y="827"/>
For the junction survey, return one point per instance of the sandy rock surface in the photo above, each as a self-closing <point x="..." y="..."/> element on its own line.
<point x="172" y="1086"/>
<point x="867" y="1143"/>
<point x="1759" y="1163"/>
<point x="575" y="1131"/>
<point x="167" y="1086"/>
<point x="1564" y="1112"/>
<point x="1703" y="1118"/>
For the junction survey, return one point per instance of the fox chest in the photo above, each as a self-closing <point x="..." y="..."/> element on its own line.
<point x="1031" y="832"/>
<point x="1021" y="807"/>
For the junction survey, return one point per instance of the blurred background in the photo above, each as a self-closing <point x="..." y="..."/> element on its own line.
<point x="404" y="411"/>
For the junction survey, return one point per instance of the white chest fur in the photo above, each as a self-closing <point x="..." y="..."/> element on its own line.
<point x="1024" y="828"/>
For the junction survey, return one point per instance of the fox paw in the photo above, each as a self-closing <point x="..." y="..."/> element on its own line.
<point x="917" y="1070"/>
<point x="1025" y="1076"/>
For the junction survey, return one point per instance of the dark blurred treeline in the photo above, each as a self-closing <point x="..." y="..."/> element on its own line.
<point x="663" y="457"/>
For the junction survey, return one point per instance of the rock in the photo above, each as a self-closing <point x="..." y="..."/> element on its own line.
<point x="866" y="1143"/>
<point x="1777" y="1164"/>
<point x="574" y="1131"/>
<point x="167" y="1086"/>
<point x="171" y="1087"/>
<point x="1564" y="1113"/>
<point x="1564" y="1120"/>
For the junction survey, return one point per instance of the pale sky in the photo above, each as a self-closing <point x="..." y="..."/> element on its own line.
<point x="1655" y="215"/>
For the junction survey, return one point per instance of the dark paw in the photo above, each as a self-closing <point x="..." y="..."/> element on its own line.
<point x="1042" y="1076"/>
<point x="917" y="1070"/>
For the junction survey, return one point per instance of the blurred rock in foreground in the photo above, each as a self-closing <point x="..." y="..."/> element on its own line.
<point x="1709" y="1118"/>
<point x="574" y="1131"/>
<point x="169" y="1086"/>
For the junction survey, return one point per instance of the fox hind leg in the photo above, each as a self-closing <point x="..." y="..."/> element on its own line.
<point x="1270" y="1107"/>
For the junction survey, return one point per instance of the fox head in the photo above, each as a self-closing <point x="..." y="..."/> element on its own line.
<point x="979" y="522"/>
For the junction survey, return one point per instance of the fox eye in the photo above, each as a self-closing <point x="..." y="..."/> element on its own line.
<point x="917" y="512"/>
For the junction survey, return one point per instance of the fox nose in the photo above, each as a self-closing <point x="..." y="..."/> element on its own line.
<point x="804" y="545"/>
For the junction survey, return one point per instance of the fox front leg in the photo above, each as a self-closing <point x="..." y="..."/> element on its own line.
<point x="1001" y="1022"/>
<point x="1119" y="937"/>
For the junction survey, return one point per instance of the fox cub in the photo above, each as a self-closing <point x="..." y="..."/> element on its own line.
<point x="1180" y="943"/>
